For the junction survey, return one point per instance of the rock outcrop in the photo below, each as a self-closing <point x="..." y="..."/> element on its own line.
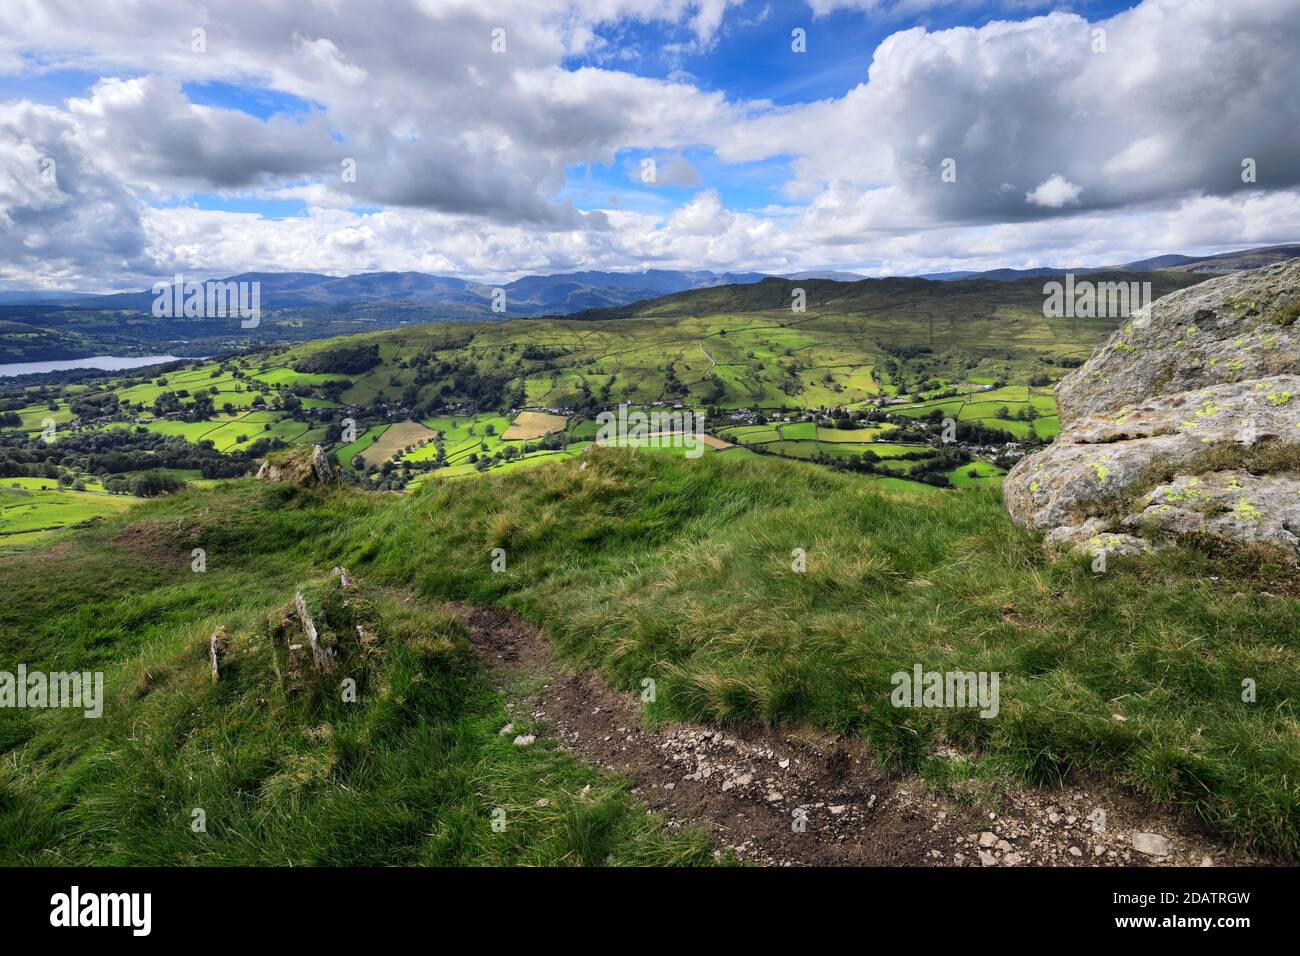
<point x="1186" y="422"/>
<point x="331" y="628"/>
<point x="300" y="465"/>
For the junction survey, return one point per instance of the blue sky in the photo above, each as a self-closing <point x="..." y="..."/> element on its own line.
<point x="751" y="59"/>
<point x="232" y="154"/>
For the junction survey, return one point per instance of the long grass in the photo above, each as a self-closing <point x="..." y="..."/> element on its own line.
<point x="682" y="572"/>
<point x="182" y="770"/>
<point x="642" y="566"/>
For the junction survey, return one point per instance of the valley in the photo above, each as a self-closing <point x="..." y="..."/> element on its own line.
<point x="848" y="474"/>
<point x="863" y="380"/>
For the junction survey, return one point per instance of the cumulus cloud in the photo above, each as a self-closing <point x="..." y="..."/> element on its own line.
<point x="62" y="218"/>
<point x="1065" y="150"/>
<point x="1054" y="192"/>
<point x="150" y="135"/>
<point x="1181" y="93"/>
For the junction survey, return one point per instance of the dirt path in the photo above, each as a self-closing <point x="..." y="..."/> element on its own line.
<point x="798" y="797"/>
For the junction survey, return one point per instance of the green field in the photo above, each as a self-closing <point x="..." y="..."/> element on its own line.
<point x="38" y="508"/>
<point x="926" y="348"/>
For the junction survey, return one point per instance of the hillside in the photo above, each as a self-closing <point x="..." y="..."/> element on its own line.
<point x="1218" y="263"/>
<point x="955" y="304"/>
<point x="302" y="305"/>
<point x="862" y="380"/>
<point x="638" y="567"/>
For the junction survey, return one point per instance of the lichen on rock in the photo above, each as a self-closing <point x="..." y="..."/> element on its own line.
<point x="1211" y="370"/>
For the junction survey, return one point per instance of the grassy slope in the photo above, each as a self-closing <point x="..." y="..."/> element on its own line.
<point x="646" y="565"/>
<point x="409" y="775"/>
<point x="646" y="568"/>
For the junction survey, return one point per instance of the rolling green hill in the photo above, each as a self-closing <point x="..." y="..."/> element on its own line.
<point x="861" y="380"/>
<point x="635" y="563"/>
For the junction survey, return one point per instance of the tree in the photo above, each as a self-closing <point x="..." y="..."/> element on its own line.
<point x="151" y="484"/>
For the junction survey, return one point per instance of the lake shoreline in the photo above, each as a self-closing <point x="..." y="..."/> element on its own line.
<point x="98" y="363"/>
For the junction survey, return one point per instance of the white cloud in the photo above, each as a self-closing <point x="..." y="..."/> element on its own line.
<point x="1054" y="192"/>
<point x="1185" y="90"/>
<point x="1063" y="155"/>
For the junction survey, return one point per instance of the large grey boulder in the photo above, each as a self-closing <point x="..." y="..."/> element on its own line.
<point x="1187" y="421"/>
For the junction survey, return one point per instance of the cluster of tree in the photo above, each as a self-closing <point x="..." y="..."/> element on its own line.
<point x="674" y="387"/>
<point x="117" y="451"/>
<point x="968" y="432"/>
<point x="1025" y="413"/>
<point x="907" y="352"/>
<point x="90" y="405"/>
<point x="341" y="360"/>
<point x="930" y="464"/>
<point x="543" y="353"/>
<point x="458" y="377"/>
<point x="330" y="390"/>
<point x="717" y="390"/>
<point x="151" y="484"/>
<point x="196" y="407"/>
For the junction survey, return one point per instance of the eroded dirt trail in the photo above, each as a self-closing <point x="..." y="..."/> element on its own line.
<point x="797" y="797"/>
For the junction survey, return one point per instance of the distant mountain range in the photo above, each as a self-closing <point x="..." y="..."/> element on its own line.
<point x="568" y="292"/>
<point x="1211" y="265"/>
<point x="452" y="297"/>
<point x="906" y="299"/>
<point x="33" y="296"/>
<point x="296" y="306"/>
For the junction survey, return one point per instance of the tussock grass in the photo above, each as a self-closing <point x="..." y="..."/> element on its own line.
<point x="286" y="772"/>
<point x="640" y="566"/>
<point x="681" y="571"/>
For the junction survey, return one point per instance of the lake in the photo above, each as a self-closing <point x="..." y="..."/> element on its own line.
<point x="110" y="363"/>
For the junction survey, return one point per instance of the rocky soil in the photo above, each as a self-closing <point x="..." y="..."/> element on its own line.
<point x="1186" y="422"/>
<point x="799" y="797"/>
